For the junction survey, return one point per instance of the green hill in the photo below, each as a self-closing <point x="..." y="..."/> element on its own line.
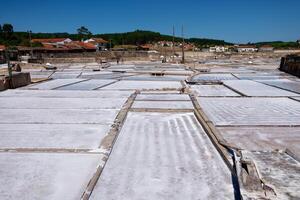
<point x="137" y="37"/>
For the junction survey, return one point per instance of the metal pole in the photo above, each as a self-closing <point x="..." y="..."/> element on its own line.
<point x="182" y="45"/>
<point x="31" y="50"/>
<point x="9" y="69"/>
<point x="173" y="42"/>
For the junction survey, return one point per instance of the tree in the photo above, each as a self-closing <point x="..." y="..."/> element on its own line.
<point x="8" y="28"/>
<point x="83" y="32"/>
<point x="0" y="28"/>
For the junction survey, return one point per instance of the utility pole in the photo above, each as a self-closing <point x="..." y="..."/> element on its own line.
<point x="9" y="69"/>
<point x="173" y="45"/>
<point x="182" y="46"/>
<point x="31" y="50"/>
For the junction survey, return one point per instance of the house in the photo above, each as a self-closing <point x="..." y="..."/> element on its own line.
<point x="189" y="47"/>
<point x="246" y="48"/>
<point x="85" y="46"/>
<point x="205" y="49"/>
<point x="298" y="41"/>
<point x="145" y="47"/>
<point x="99" y="43"/>
<point x="266" y="48"/>
<point x="218" y="49"/>
<point x="164" y="43"/>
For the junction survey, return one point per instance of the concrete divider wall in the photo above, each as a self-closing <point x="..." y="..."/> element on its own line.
<point x="291" y="64"/>
<point x="2" y="85"/>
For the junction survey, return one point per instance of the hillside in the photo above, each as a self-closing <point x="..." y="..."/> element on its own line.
<point x="137" y="37"/>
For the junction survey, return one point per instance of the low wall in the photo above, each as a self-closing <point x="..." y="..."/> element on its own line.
<point x="2" y="87"/>
<point x="69" y="60"/>
<point x="88" y="57"/>
<point x="291" y="64"/>
<point x="20" y="79"/>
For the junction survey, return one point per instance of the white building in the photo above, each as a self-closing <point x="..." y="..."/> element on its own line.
<point x="266" y="48"/>
<point x="218" y="49"/>
<point x="246" y="48"/>
<point x="99" y="43"/>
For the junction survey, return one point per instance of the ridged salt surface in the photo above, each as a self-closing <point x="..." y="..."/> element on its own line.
<point x="296" y="98"/>
<point x="66" y="75"/>
<point x="166" y="92"/>
<point x="163" y="97"/>
<point x="60" y="103"/>
<point x="52" y="84"/>
<point x="163" y="156"/>
<point x="213" y="77"/>
<point x="58" y="116"/>
<point x="251" y="88"/>
<point x="163" y="104"/>
<point x="129" y="85"/>
<point x="66" y="93"/>
<point x="212" y="90"/>
<point x="251" y="111"/>
<point x="279" y="171"/>
<point x="40" y="74"/>
<point x="87" y="85"/>
<point x="293" y="86"/>
<point x="260" y="76"/>
<point x="104" y="75"/>
<point x="64" y="136"/>
<point x="155" y="78"/>
<point x="35" y="176"/>
<point x="263" y="138"/>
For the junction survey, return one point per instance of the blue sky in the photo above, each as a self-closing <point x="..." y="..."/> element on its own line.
<point x="231" y="20"/>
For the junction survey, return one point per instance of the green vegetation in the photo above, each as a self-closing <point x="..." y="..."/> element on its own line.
<point x="138" y="37"/>
<point x="142" y="37"/>
<point x="84" y="33"/>
<point x="10" y="38"/>
<point x="208" y="42"/>
<point x="279" y="44"/>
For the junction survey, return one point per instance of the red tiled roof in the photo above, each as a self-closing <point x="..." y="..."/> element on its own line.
<point x="49" y="40"/>
<point x="2" y="47"/>
<point x="47" y="45"/>
<point x="86" y="45"/>
<point x="146" y="46"/>
<point x="99" y="40"/>
<point x="73" y="45"/>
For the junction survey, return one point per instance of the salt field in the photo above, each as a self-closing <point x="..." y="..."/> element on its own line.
<point x="185" y="134"/>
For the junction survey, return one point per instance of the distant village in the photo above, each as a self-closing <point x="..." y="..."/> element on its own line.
<point x="66" y="45"/>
